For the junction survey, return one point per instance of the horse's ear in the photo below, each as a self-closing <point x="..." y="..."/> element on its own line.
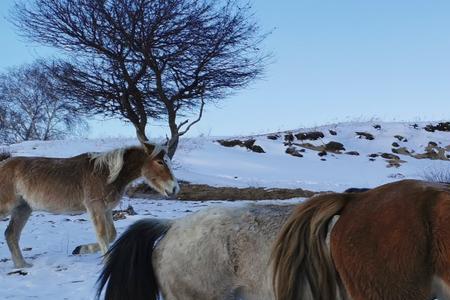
<point x="149" y="148"/>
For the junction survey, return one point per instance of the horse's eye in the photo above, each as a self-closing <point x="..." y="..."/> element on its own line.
<point x="160" y="162"/>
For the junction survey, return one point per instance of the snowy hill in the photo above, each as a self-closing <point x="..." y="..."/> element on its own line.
<point x="332" y="157"/>
<point x="312" y="158"/>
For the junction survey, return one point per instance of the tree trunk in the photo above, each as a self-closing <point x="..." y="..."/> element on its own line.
<point x="140" y="132"/>
<point x="172" y="144"/>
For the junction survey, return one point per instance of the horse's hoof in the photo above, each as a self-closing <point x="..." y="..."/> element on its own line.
<point x="23" y="265"/>
<point x="76" y="251"/>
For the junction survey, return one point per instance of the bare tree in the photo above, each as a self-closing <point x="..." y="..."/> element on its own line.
<point x="138" y="58"/>
<point x="32" y="107"/>
<point x="437" y="174"/>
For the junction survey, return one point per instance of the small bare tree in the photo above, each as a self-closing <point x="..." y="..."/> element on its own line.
<point x="141" y="59"/>
<point x="32" y="108"/>
<point x="437" y="174"/>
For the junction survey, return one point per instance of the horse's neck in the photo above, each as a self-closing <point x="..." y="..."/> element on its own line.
<point x="133" y="159"/>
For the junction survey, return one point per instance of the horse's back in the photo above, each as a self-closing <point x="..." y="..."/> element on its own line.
<point x="383" y="240"/>
<point x="220" y="253"/>
<point x="53" y="184"/>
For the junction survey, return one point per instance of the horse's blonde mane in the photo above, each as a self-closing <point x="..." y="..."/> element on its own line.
<point x="113" y="160"/>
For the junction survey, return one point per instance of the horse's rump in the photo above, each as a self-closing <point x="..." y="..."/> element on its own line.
<point x="391" y="242"/>
<point x="389" y="238"/>
<point x="217" y="253"/>
<point x="220" y="253"/>
<point x="52" y="184"/>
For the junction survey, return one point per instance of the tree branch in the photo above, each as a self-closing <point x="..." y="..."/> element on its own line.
<point x="194" y="122"/>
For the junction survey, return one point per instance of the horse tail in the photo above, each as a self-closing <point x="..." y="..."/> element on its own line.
<point x="303" y="268"/>
<point x="128" y="271"/>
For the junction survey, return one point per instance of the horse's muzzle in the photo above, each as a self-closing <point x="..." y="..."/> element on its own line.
<point x="174" y="190"/>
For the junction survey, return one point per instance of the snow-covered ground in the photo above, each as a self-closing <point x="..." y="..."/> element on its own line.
<point x="48" y="240"/>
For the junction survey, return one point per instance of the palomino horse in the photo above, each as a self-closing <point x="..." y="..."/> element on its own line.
<point x="392" y="242"/>
<point x="92" y="182"/>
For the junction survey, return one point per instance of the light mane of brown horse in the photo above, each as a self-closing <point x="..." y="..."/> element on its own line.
<point x="114" y="160"/>
<point x="122" y="166"/>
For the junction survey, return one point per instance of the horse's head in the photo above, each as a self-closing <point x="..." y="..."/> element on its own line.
<point x="157" y="170"/>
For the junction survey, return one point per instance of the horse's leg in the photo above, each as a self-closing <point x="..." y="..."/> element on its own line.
<point x="19" y="217"/>
<point x="97" y="212"/>
<point x="111" y="229"/>
<point x="86" y="249"/>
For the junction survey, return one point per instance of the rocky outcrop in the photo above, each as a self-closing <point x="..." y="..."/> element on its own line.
<point x="312" y="136"/>
<point x="443" y="126"/>
<point x="355" y="153"/>
<point x="294" y="151"/>
<point x="401" y="151"/>
<point x="389" y="156"/>
<point x="400" y="138"/>
<point x="273" y="137"/>
<point x="289" y="137"/>
<point x="432" y="151"/>
<point x="365" y="135"/>
<point x="249" y="144"/>
<point x="334" y="147"/>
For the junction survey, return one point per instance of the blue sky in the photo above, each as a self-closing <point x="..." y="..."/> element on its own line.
<point x="334" y="61"/>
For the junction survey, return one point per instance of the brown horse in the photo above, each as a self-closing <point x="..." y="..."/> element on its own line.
<point x="390" y="243"/>
<point x="92" y="182"/>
